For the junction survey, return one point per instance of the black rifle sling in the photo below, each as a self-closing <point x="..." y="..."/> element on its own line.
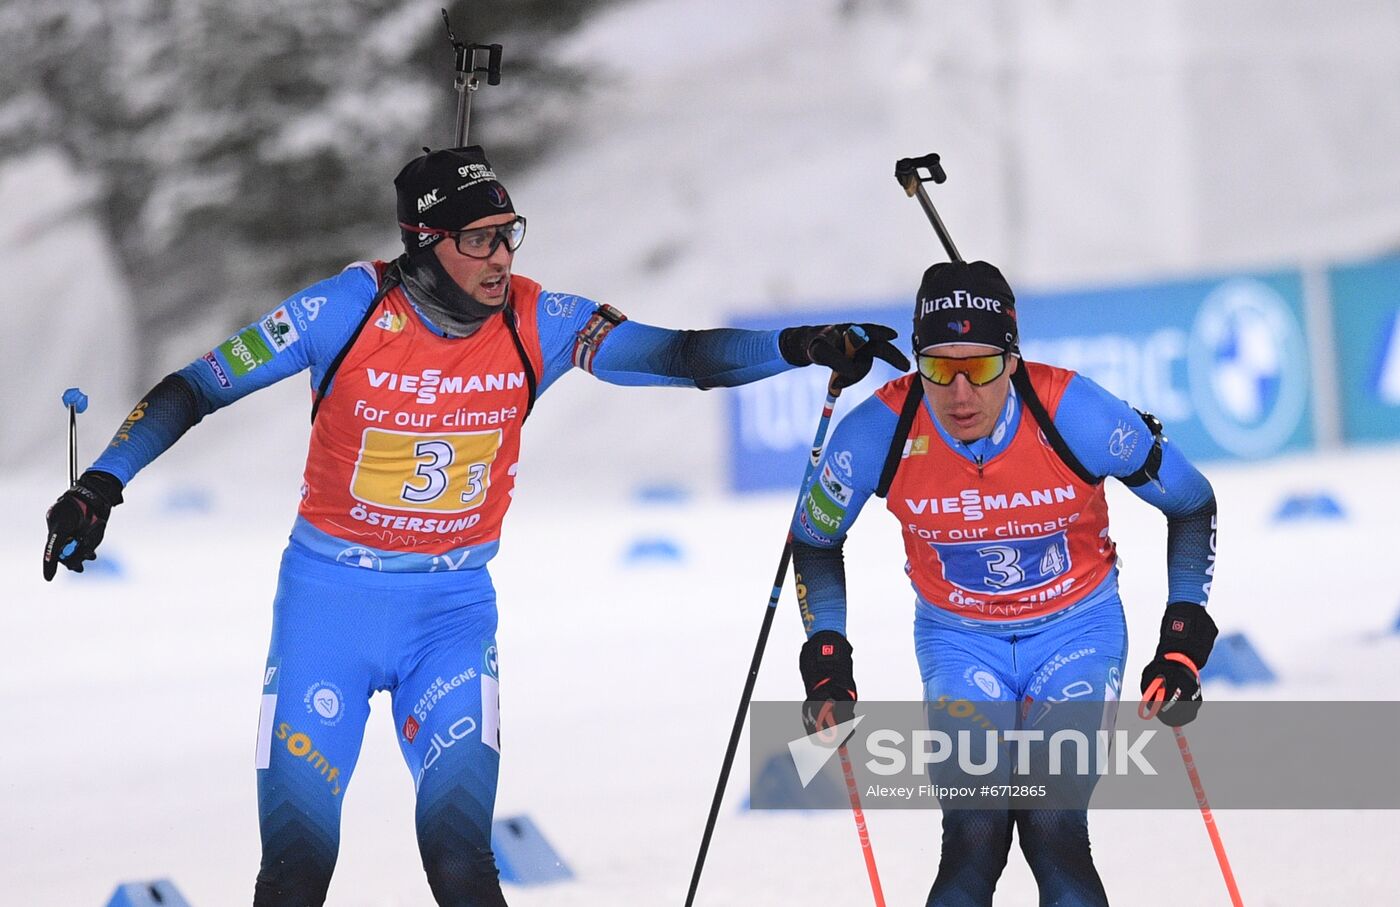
<point x="1146" y="473"/>
<point x="530" y="379"/>
<point x="907" y="412"/>
<point x="1052" y="434"/>
<point x="391" y="280"/>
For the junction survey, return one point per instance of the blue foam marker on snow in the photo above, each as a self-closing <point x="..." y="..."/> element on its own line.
<point x="75" y="398"/>
<point x="523" y="855"/>
<point x="662" y="493"/>
<point x="158" y="893"/>
<point x="189" y="499"/>
<point x="1396" y="627"/>
<point x="777" y="786"/>
<point x="1318" y="505"/>
<point x="1235" y="660"/>
<point x="653" y="550"/>
<point x="105" y="567"/>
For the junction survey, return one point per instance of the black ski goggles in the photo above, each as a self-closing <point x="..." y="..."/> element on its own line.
<point x="481" y="242"/>
<point x="978" y="370"/>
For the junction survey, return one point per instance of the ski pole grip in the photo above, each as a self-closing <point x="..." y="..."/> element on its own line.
<point x="1152" y="699"/>
<point x="906" y="171"/>
<point x="76" y="399"/>
<point x="493" y="64"/>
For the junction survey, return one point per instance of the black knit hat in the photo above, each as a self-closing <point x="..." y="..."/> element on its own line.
<point x="446" y="190"/>
<point x="965" y="302"/>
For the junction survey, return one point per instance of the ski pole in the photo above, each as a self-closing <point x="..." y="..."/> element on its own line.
<point x="832" y="392"/>
<point x="467" y="80"/>
<point x="910" y="171"/>
<point x="1152" y="699"/>
<point x="861" y="830"/>
<point x="77" y="402"/>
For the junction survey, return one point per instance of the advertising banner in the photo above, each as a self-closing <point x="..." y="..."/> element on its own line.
<point x="1366" y="325"/>
<point x="1223" y="362"/>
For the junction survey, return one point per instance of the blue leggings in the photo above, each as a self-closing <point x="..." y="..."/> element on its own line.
<point x="1077" y="658"/>
<point x="339" y="634"/>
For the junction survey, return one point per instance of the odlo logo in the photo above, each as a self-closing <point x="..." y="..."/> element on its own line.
<point x="427" y="201"/>
<point x="460" y="729"/>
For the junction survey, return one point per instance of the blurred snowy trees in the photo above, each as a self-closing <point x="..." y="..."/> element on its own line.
<point x="239" y="149"/>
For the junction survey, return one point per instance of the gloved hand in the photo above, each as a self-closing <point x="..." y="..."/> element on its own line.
<point x="828" y="674"/>
<point x="1188" y="633"/>
<point x="847" y="349"/>
<point x="80" y="515"/>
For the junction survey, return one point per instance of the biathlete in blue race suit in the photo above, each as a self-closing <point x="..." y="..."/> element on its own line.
<point x="423" y="370"/>
<point x="1015" y="576"/>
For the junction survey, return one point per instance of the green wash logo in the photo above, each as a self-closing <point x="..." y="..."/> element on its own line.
<point x="825" y="514"/>
<point x="245" y="351"/>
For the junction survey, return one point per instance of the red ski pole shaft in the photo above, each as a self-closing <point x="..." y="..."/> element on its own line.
<point x="1209" y="819"/>
<point x="861" y="829"/>
<point x="1152" y="699"/>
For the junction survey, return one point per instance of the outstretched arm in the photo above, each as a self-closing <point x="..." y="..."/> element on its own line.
<point x="578" y="332"/>
<point x="639" y="354"/>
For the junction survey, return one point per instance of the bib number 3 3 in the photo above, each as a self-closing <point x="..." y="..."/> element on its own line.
<point x="448" y="473"/>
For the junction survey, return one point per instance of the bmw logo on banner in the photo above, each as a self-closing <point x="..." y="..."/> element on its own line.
<point x="1247" y="367"/>
<point x="1225" y="363"/>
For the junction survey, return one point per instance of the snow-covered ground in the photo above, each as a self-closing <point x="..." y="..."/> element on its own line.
<point x="131" y="703"/>
<point x="733" y="157"/>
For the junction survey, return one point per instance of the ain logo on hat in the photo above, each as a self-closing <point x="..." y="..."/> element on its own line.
<point x="446" y="190"/>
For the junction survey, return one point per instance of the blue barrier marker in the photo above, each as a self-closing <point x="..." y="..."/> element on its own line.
<point x="523" y="855"/>
<point x="157" y="893"/>
<point x="777" y="786"/>
<point x="1317" y="505"/>
<point x="661" y="493"/>
<point x="1235" y="660"/>
<point x="189" y="499"/>
<point x="653" y="549"/>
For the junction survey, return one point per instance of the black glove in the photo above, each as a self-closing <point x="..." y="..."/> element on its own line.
<point x="828" y="674"/>
<point x="1188" y="634"/>
<point x="847" y="349"/>
<point x="80" y="515"/>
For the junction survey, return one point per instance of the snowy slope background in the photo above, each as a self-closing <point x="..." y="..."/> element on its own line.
<point x="732" y="158"/>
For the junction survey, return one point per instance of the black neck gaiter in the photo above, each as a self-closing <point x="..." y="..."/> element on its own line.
<point x="451" y="310"/>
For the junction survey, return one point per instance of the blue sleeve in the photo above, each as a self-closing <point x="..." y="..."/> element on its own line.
<point x="1111" y="439"/>
<point x="307" y="329"/>
<point x="844" y="479"/>
<point x="636" y="354"/>
<point x="639" y="354"/>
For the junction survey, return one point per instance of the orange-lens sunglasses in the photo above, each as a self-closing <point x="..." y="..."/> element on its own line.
<point x="978" y="370"/>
